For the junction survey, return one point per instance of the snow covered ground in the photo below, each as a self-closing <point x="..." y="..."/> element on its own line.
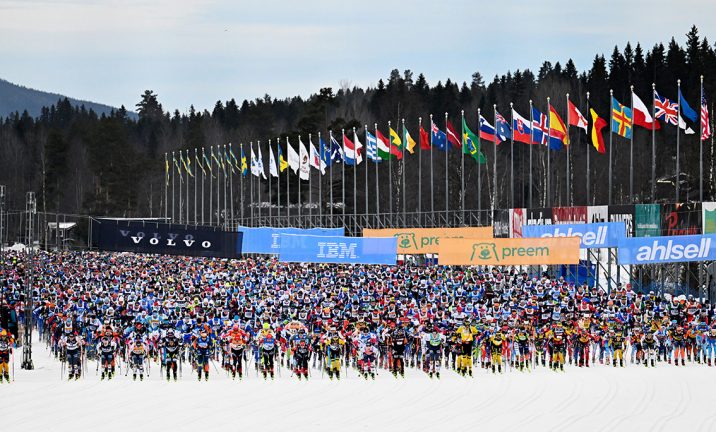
<point x="599" y="398"/>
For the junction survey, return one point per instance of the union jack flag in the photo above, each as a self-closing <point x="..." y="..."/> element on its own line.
<point x="666" y="110"/>
<point x="705" y="125"/>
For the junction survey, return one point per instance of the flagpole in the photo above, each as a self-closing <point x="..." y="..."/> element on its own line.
<point x="512" y="156"/>
<point x="173" y="176"/>
<point x="447" y="150"/>
<point x="678" y="121"/>
<point x="462" y="163"/>
<point x="390" y="177"/>
<point x="403" y="167"/>
<point x="479" y="171"/>
<point x="203" y="177"/>
<point x="166" y="188"/>
<point x="355" y="167"/>
<point x="300" y="163"/>
<point x="631" y="150"/>
<point x="330" y="174"/>
<point x="226" y="208"/>
<point x="377" y="188"/>
<point x="186" y="202"/>
<point x="218" y="183"/>
<point x="258" y="179"/>
<point x="288" y="189"/>
<point x="569" y="181"/>
<point x="588" y="149"/>
<point x="195" y="174"/>
<point x="277" y="161"/>
<point x="270" y="190"/>
<point x="365" y="129"/>
<point x="231" y="190"/>
<point x="611" y="139"/>
<point x="310" y="182"/>
<point x="701" y="145"/>
<point x="420" y="167"/>
<point x="241" y="182"/>
<point x="548" y="197"/>
<point x="531" y="144"/>
<point x="211" y="189"/>
<point x="251" y="180"/>
<point x="653" y="141"/>
<point x="494" y="162"/>
<point x="343" y="178"/>
<point x="432" y="185"/>
<point x="321" y="149"/>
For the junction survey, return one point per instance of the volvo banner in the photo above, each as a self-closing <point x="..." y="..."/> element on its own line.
<point x="160" y="238"/>
<point x="654" y="250"/>
<point x="592" y="236"/>
<point x="266" y="240"/>
<point x="341" y="250"/>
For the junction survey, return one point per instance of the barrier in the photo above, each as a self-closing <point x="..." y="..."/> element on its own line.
<point x="592" y="235"/>
<point x="266" y="240"/>
<point x="416" y="241"/>
<point x="525" y="251"/>
<point x="339" y="250"/>
<point x="673" y="249"/>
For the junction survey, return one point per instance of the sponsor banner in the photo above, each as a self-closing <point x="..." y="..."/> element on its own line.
<point x="167" y="239"/>
<point x="416" y="241"/>
<point x="681" y="219"/>
<point x="596" y="235"/>
<point x="517" y="221"/>
<point x="623" y="213"/>
<point x="597" y="214"/>
<point x="535" y="251"/>
<point x="708" y="216"/>
<point x="266" y="240"/>
<point x="653" y="250"/>
<point x="539" y="216"/>
<point x="501" y="223"/>
<point x="566" y="215"/>
<point x="341" y="250"/>
<point x="647" y="220"/>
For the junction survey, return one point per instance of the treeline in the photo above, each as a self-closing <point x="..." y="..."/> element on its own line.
<point x="80" y="162"/>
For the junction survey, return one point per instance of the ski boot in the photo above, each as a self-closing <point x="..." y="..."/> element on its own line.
<point x="175" y="375"/>
<point x="338" y="375"/>
<point x="683" y="362"/>
<point x="469" y="371"/>
<point x="134" y="377"/>
<point x="437" y="375"/>
<point x="206" y="375"/>
<point x="101" y="378"/>
<point x="141" y="377"/>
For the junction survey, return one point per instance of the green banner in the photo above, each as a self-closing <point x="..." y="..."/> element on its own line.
<point x="648" y="220"/>
<point x="709" y="217"/>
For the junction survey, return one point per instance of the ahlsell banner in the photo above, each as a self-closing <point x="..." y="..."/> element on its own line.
<point x="340" y="250"/>
<point x="266" y="240"/>
<point x="595" y="235"/>
<point x="524" y="251"/>
<point x="159" y="238"/>
<point x="654" y="250"/>
<point x="416" y="241"/>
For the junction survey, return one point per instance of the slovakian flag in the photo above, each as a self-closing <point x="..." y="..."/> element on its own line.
<point x="487" y="131"/>
<point x="540" y="127"/>
<point x="452" y="136"/>
<point x="642" y="117"/>
<point x="424" y="139"/>
<point x="439" y="138"/>
<point x="521" y="130"/>
<point x="574" y="117"/>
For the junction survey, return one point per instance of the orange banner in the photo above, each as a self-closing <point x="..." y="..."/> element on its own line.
<point x="415" y="241"/>
<point x="522" y="251"/>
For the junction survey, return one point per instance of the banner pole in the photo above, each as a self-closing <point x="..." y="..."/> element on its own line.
<point x="462" y="163"/>
<point x="479" y="173"/>
<point x="611" y="140"/>
<point x="403" y="144"/>
<point x="365" y="129"/>
<point x="588" y="152"/>
<point x="678" y="120"/>
<point x="548" y="189"/>
<point x="355" y="168"/>
<point x="531" y="186"/>
<point x="420" y="177"/>
<point x="569" y="180"/>
<point x="512" y="157"/>
<point x="447" y="192"/>
<point x="377" y="188"/>
<point x="432" y="184"/>
<point x="631" y="150"/>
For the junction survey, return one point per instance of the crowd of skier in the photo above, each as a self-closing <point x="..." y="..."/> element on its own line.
<point x="132" y="314"/>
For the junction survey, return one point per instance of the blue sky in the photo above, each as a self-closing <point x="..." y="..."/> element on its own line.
<point x="199" y="51"/>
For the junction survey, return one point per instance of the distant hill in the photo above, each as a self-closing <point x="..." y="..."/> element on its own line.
<point x="14" y="98"/>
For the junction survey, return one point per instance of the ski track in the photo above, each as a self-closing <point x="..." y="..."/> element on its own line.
<point x="598" y="398"/>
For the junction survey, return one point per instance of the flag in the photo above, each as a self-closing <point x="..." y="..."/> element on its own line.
<point x="233" y="158"/>
<point x="394" y="138"/>
<point x="207" y="162"/>
<point x="470" y="144"/>
<point x="687" y="130"/>
<point x="666" y="110"/>
<point x="166" y="169"/>
<point x="408" y="140"/>
<point x="386" y="150"/>
<point x="424" y="139"/>
<point x="597" y="125"/>
<point x="521" y="130"/>
<point x="228" y="160"/>
<point x="540" y="127"/>
<point x="199" y="162"/>
<point x="557" y="130"/>
<point x="293" y="160"/>
<point x="621" y="119"/>
<point x="688" y="112"/>
<point x="254" y="164"/>
<point x="183" y="162"/>
<point x="352" y="152"/>
<point x="439" y="139"/>
<point x="176" y="164"/>
<point x="487" y="131"/>
<point x="575" y="117"/>
<point x="244" y="167"/>
<point x="452" y="136"/>
<point x="260" y="163"/>
<point x="272" y="164"/>
<point x="325" y="153"/>
<point x="371" y="147"/>
<point x="337" y="153"/>
<point x="304" y="169"/>
<point x="705" y="125"/>
<point x="282" y="164"/>
<point x="642" y="117"/>
<point x="502" y="128"/>
<point x="188" y="164"/>
<point x="213" y="156"/>
<point x="316" y="161"/>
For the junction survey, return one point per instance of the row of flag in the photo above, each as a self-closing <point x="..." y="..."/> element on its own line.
<point x="546" y="129"/>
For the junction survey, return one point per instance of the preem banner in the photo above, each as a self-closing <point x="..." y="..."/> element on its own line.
<point x="266" y="240"/>
<point x="594" y="235"/>
<point x="654" y="250"/>
<point x="416" y="241"/>
<point x="524" y="251"/>
<point x="159" y="238"/>
<point x="340" y="250"/>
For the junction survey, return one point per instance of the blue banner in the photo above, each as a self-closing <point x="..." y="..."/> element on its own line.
<point x="653" y="250"/>
<point x="342" y="250"/>
<point x="266" y="240"/>
<point x="592" y="235"/>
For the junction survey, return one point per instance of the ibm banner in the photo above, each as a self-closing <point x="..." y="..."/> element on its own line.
<point x="416" y="241"/>
<point x="266" y="240"/>
<point x="341" y="250"/>
<point x="654" y="250"/>
<point x="593" y="235"/>
<point x="160" y="238"/>
<point x="499" y="251"/>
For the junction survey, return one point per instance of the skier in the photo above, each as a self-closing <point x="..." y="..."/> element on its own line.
<point x="301" y="348"/>
<point x="6" y="346"/>
<point x="433" y="342"/>
<point x="237" y="340"/>
<point x="202" y="353"/>
<point x="465" y="336"/>
<point x="72" y="346"/>
<point x="171" y="349"/>
<point x="107" y="351"/>
<point x="137" y="354"/>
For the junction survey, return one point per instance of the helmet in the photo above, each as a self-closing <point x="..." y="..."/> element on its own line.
<point x="266" y="326"/>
